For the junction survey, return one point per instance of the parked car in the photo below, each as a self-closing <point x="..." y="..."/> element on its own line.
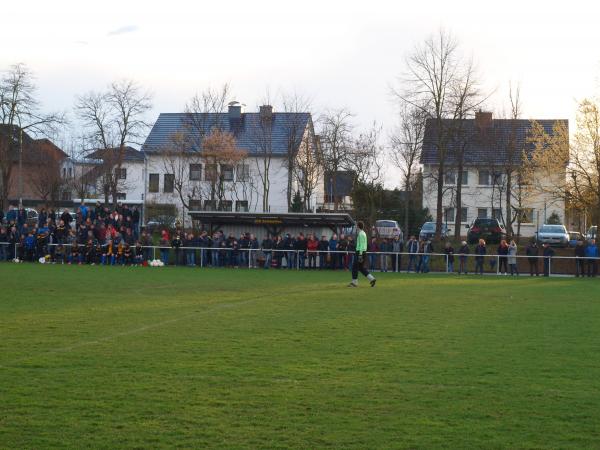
<point x="160" y="222"/>
<point x="553" y="235"/>
<point x="490" y="230"/>
<point x="574" y="237"/>
<point x="388" y="229"/>
<point x="592" y="232"/>
<point x="428" y="231"/>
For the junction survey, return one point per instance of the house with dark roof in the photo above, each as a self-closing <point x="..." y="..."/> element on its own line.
<point x="486" y="149"/>
<point x="248" y="172"/>
<point x="338" y="191"/>
<point x="32" y="166"/>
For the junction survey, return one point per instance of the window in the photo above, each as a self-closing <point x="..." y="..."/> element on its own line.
<point x="450" y="177"/>
<point x="121" y="196"/>
<point x="497" y="214"/>
<point x="227" y="172"/>
<point x="241" y="205"/>
<point x="195" y="172"/>
<point x="153" y="181"/>
<point x="526" y="215"/>
<point x="497" y="178"/>
<point x="168" y="183"/>
<point x="464" y="214"/>
<point x="243" y="172"/>
<point x="65" y="196"/>
<point x="121" y="173"/>
<point x="64" y="171"/>
<point x="195" y="205"/>
<point x="225" y="205"/>
<point x="70" y="172"/>
<point x="449" y="215"/>
<point x="210" y="205"/>
<point x="465" y="178"/>
<point x="210" y="172"/>
<point x="484" y="177"/>
<point x="482" y="213"/>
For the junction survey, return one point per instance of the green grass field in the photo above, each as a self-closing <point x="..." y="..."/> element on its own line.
<point x="97" y="357"/>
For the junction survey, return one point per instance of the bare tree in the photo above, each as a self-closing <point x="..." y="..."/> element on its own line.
<point x="365" y="161"/>
<point x="178" y="161"/>
<point x="202" y="113"/>
<point x="308" y="168"/>
<point x="336" y="140"/>
<point x="365" y="158"/>
<point x="114" y="119"/>
<point x="296" y="109"/>
<point x="406" y="145"/>
<point x="549" y="158"/>
<point x="220" y="151"/>
<point x="441" y="83"/>
<point x="262" y="138"/>
<point x="19" y="113"/>
<point x="583" y="182"/>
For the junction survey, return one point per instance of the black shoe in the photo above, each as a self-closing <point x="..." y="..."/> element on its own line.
<point x="373" y="281"/>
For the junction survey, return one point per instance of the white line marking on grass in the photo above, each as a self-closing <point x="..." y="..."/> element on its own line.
<point x="132" y="331"/>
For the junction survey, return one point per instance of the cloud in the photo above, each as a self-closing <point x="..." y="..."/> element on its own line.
<point x="123" y="30"/>
<point x="81" y="42"/>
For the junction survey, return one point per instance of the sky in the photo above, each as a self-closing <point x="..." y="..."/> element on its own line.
<point x="339" y="54"/>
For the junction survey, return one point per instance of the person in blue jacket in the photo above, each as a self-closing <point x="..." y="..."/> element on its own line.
<point x="591" y="253"/>
<point x="332" y="249"/>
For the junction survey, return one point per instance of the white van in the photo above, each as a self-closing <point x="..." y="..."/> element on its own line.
<point x="388" y="229"/>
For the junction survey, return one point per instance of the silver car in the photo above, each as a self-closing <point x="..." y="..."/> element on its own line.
<point x="388" y="229"/>
<point x="553" y="235"/>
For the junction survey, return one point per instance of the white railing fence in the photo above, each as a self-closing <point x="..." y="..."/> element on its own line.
<point x="335" y="260"/>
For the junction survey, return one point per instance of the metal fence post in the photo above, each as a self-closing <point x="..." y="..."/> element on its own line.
<point x="249" y="258"/>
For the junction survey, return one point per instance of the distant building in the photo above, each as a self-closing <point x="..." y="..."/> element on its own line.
<point x="338" y="191"/>
<point x="34" y="169"/>
<point x="174" y="159"/>
<point x="485" y="144"/>
<point x="89" y="174"/>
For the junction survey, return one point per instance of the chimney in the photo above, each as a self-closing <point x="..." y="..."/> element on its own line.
<point x="266" y="112"/>
<point x="483" y="120"/>
<point x="234" y="110"/>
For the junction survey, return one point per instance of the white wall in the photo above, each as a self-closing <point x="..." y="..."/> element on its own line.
<point x="133" y="185"/>
<point x="252" y="191"/>
<point x="475" y="196"/>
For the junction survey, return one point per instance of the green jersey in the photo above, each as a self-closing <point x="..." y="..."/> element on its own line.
<point x="361" y="241"/>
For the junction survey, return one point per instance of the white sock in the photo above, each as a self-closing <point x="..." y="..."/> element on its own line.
<point x="370" y="277"/>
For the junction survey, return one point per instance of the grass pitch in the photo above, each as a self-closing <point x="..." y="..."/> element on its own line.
<point x="97" y="357"/>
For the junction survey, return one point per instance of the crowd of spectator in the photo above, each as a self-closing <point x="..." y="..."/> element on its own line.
<point x="97" y="235"/>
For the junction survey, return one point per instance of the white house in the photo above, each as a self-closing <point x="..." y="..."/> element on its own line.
<point x="178" y="171"/>
<point x="488" y="146"/>
<point x="86" y="176"/>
